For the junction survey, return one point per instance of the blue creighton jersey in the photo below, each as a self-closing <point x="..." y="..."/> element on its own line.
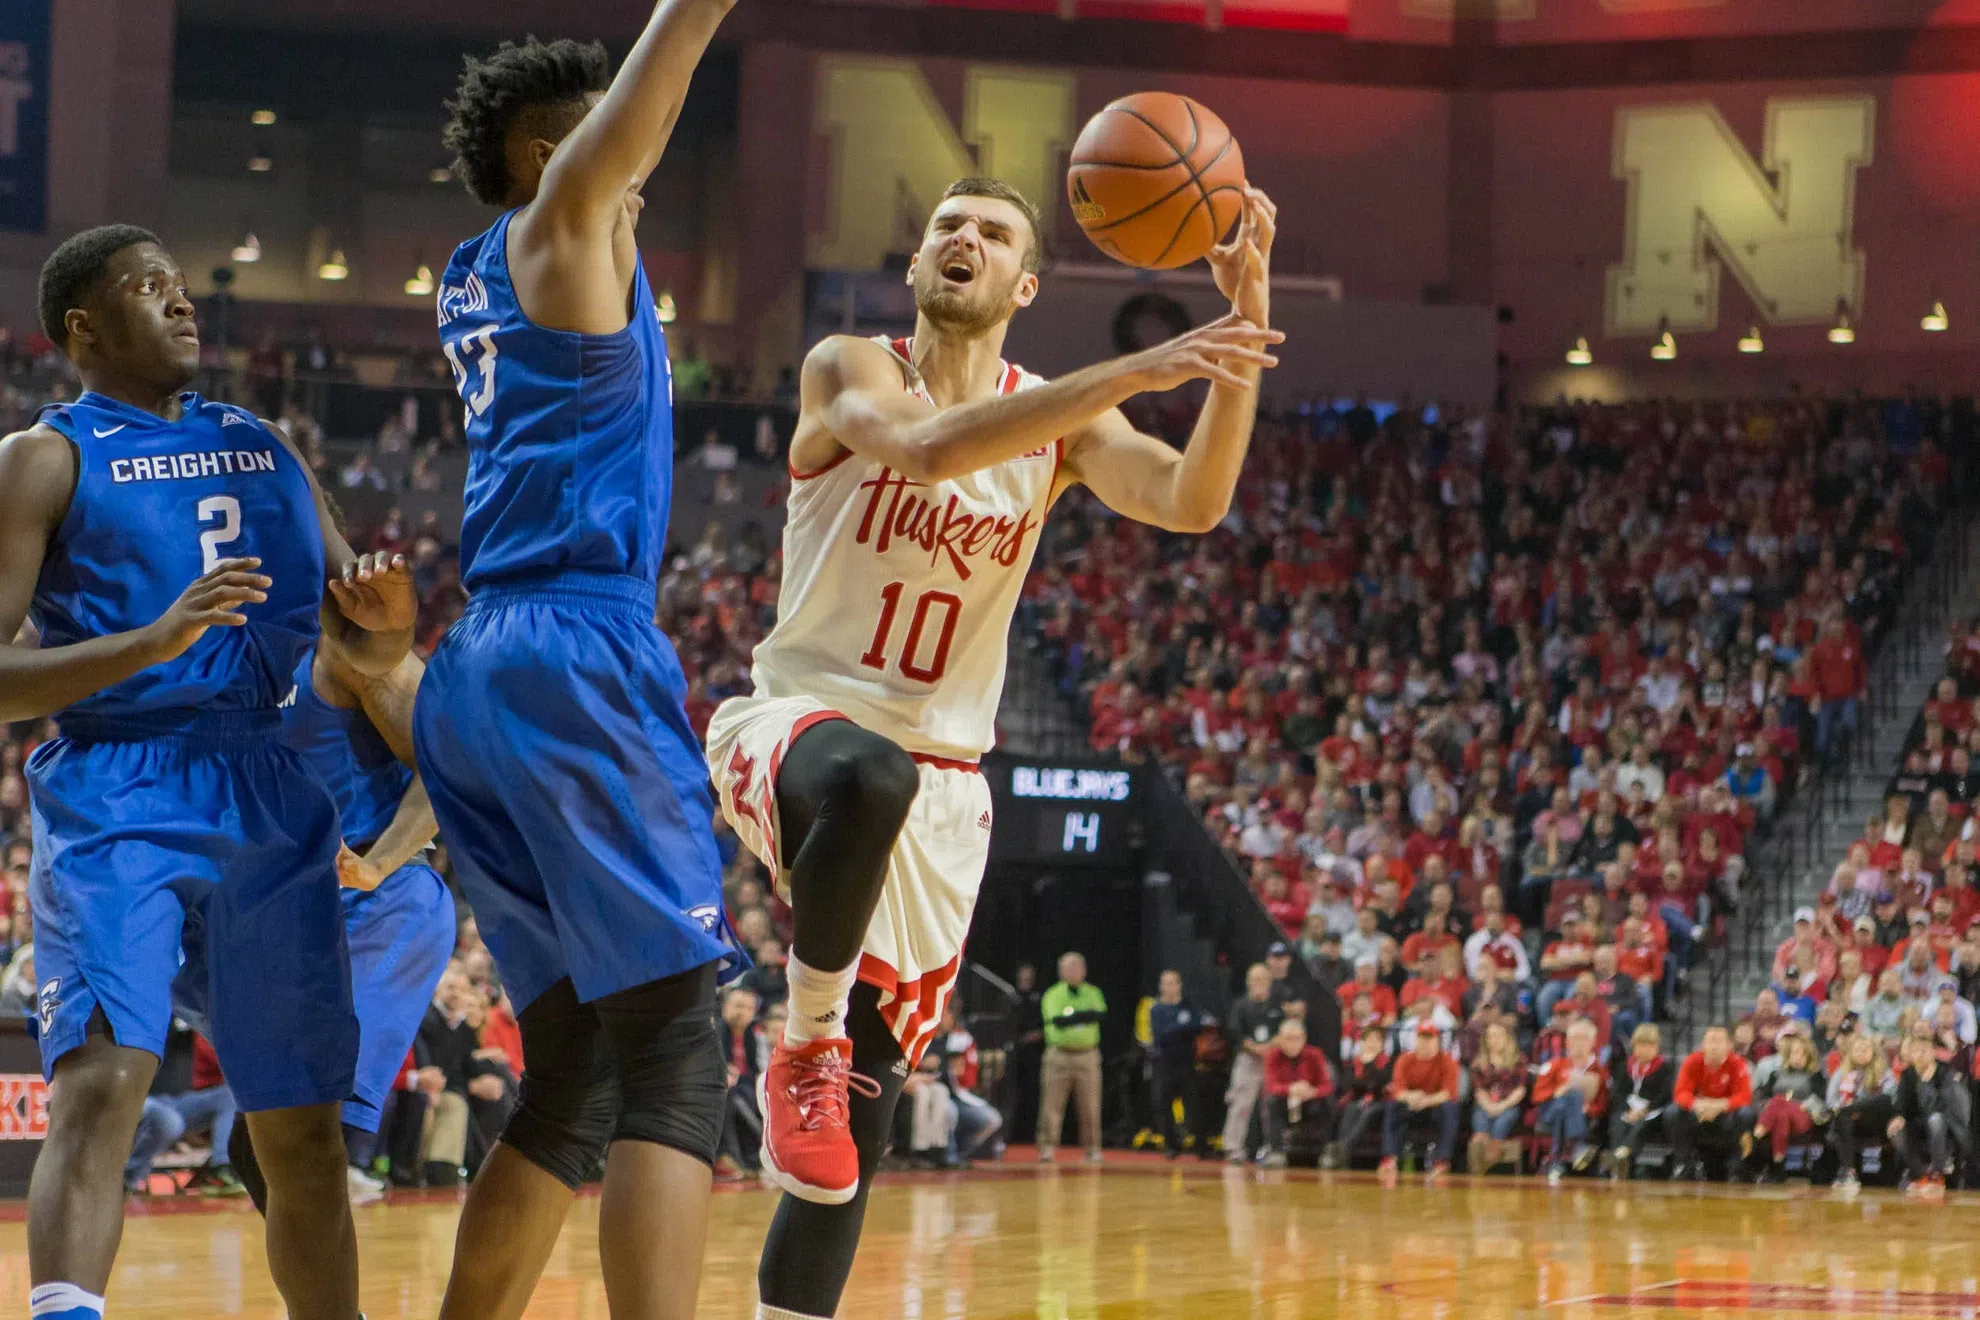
<point x="159" y="503"/>
<point x="350" y="756"/>
<point x="570" y="437"/>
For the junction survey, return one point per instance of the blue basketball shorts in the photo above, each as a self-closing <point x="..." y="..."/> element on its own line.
<point x="570" y="788"/>
<point x="192" y="857"/>
<point x="401" y="936"/>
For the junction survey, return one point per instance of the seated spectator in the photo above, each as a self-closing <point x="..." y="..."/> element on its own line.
<point x="1937" y="830"/>
<point x="1362" y="1096"/>
<point x="158" y="1130"/>
<point x="1918" y="970"/>
<point x="977" y="1122"/>
<point x="769" y="978"/>
<point x="1861" y="1103"/>
<point x="1885" y="1009"/>
<point x="1642" y="1083"/>
<point x="1548" y="858"/>
<point x="1365" y="983"/>
<point x="1790" y="1096"/>
<point x="1807" y="950"/>
<point x="1766" y="1021"/>
<point x="443" y="1054"/>
<point x="1423" y="1094"/>
<point x="1493" y="941"/>
<point x="1931" y="1123"/>
<point x="18" y="988"/>
<point x="1298" y="1085"/>
<point x="1322" y="954"/>
<point x="1333" y="904"/>
<point x="1627" y="999"/>
<point x="1570" y="1094"/>
<point x="1750" y="783"/>
<point x="1947" y="1000"/>
<point x="1365" y="940"/>
<point x="1710" y="1103"/>
<point x="1441" y="977"/>
<point x="1498" y="1094"/>
<point x="928" y="1113"/>
<point x="1563" y="961"/>
<point x="1586" y="1004"/>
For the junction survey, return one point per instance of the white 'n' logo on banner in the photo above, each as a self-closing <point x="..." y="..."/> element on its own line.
<point x="1697" y="200"/>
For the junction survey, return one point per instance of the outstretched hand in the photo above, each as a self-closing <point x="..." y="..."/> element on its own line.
<point x="376" y="593"/>
<point x="214" y="600"/>
<point x="1242" y="267"/>
<point x="1212" y="352"/>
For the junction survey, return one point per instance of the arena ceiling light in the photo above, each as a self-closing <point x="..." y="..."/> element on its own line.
<point x="1935" y="321"/>
<point x="248" y="251"/>
<point x="439" y="174"/>
<point x="259" y="163"/>
<point x="1666" y="347"/>
<point x="1843" y="331"/>
<point x="1751" y="342"/>
<point x="1579" y="355"/>
<point x="421" y="283"/>
<point x="262" y="118"/>
<point x="335" y="268"/>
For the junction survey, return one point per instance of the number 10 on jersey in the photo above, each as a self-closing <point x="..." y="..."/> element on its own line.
<point x="919" y="659"/>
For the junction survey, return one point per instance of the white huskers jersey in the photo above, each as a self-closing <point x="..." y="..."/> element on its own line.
<point x="897" y="596"/>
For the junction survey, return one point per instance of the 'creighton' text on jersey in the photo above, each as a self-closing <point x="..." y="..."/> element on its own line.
<point x="570" y="436"/>
<point x="159" y="503"/>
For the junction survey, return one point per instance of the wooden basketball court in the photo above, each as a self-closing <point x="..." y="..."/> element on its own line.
<point x="1143" y="1240"/>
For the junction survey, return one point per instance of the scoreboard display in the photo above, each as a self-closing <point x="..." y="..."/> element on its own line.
<point x="1063" y="813"/>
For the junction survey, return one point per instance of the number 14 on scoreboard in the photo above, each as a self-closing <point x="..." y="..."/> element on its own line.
<point x="1082" y="828"/>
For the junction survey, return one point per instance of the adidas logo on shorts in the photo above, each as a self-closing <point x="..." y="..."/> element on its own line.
<point x="983" y="821"/>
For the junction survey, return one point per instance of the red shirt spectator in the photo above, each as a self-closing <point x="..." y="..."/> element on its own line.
<point x="1729" y="1080"/>
<point x="1837" y="665"/>
<point x="1447" y="990"/>
<point x="1380" y="998"/>
<point x="1560" y="1073"/>
<point x="206" y="1070"/>
<point x="1431" y="942"/>
<point x="1413" y="1072"/>
<point x="1309" y="1066"/>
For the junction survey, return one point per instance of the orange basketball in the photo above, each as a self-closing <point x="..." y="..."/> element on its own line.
<point x="1156" y="180"/>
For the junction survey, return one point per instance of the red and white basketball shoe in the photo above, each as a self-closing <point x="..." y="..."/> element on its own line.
<point x="807" y="1146"/>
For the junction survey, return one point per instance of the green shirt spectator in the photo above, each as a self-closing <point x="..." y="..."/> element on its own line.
<point x="1073" y="1014"/>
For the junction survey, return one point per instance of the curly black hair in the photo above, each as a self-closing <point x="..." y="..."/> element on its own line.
<point x="72" y="271"/>
<point x="540" y="85"/>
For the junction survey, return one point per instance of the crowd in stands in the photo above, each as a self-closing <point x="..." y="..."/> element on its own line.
<point x="1488" y="706"/>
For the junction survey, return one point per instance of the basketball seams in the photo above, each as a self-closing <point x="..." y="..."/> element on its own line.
<point x="1157" y="117"/>
<point x="1195" y="177"/>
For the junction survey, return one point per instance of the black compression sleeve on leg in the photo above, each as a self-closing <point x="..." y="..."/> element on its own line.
<point x="809" y="1250"/>
<point x="842" y="795"/>
<point x="240" y="1154"/>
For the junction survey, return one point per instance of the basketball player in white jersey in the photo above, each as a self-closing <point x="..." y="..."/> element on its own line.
<point x="921" y="472"/>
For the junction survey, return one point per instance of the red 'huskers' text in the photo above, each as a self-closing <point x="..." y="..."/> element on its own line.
<point x="892" y="514"/>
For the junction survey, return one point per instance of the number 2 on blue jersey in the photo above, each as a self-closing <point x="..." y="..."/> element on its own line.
<point x="227" y="510"/>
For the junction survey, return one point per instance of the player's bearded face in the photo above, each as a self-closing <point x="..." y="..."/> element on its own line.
<point x="977" y="301"/>
<point x="971" y="264"/>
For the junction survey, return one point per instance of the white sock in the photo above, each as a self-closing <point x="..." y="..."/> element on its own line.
<point x="818" y="1002"/>
<point x="765" y="1311"/>
<point x="64" y="1301"/>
